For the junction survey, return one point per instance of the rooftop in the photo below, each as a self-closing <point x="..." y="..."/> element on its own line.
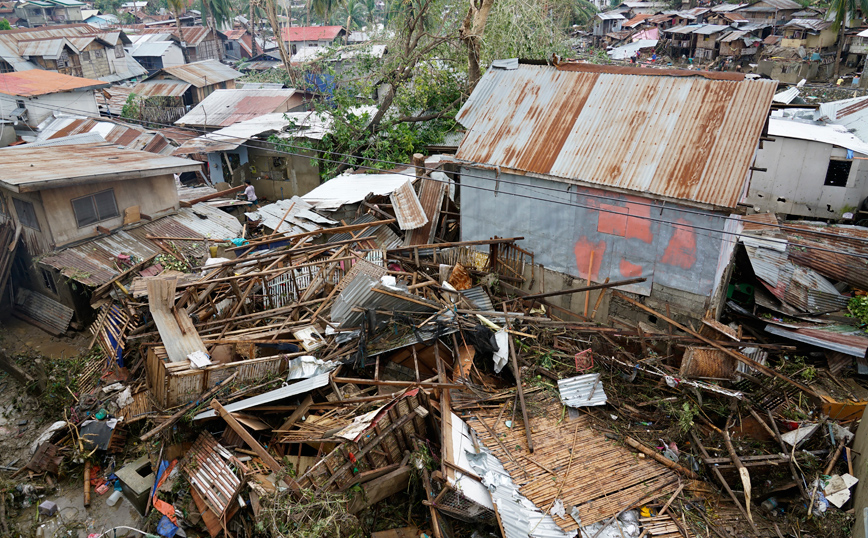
<point x="37" y="82"/>
<point x="225" y="107"/>
<point x="631" y="129"/>
<point x="63" y="166"/>
<point x="200" y="74"/>
<point x="311" y="33"/>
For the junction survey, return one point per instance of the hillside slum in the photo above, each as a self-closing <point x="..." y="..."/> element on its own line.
<point x="364" y="373"/>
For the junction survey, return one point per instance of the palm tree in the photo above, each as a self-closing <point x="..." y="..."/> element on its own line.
<point x="177" y="7"/>
<point x="844" y="11"/>
<point x="370" y="10"/>
<point x="353" y="12"/>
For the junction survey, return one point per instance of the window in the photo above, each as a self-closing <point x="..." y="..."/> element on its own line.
<point x="85" y="56"/>
<point x="837" y="173"/>
<point x="227" y="46"/>
<point x="48" y="280"/>
<point x="95" y="208"/>
<point x="26" y="213"/>
<point x="119" y="51"/>
<point x="97" y="54"/>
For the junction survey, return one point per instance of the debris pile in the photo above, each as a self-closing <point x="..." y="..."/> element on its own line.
<point x="292" y="380"/>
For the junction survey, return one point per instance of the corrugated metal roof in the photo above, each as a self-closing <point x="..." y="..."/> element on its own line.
<point x="519" y="517"/>
<point x="783" y="4"/>
<point x="816" y="25"/>
<point x="192" y="35"/>
<point x="844" y="339"/>
<point x="689" y="137"/>
<point x="201" y="74"/>
<point x="408" y="209"/>
<point x="294" y="389"/>
<point x="583" y="390"/>
<point x="300" y="219"/>
<point x="352" y="188"/>
<point x="785" y="96"/>
<point x="610" y="16"/>
<point x="360" y="293"/>
<point x="225" y="107"/>
<point x="130" y="136"/>
<point x="709" y="29"/>
<point x="37" y="82"/>
<point x="836" y="135"/>
<point x="151" y="48"/>
<point x="311" y="33"/>
<point x="161" y="88"/>
<point x="43" y="309"/>
<point x="45" y="48"/>
<point x="385" y="238"/>
<point x="93" y="262"/>
<point x="260" y="85"/>
<point x="84" y="163"/>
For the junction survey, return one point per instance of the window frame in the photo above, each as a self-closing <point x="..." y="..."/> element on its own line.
<point x="48" y="280"/>
<point x="832" y="161"/>
<point x="18" y="213"/>
<point x="99" y="217"/>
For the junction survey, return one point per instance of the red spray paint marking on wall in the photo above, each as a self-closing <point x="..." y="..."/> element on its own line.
<point x="583" y="249"/>
<point x="681" y="250"/>
<point x="630" y="270"/>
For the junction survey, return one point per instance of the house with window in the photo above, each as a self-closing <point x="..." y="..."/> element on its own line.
<point x="809" y="33"/>
<point x="547" y="158"/>
<point x="199" y="43"/>
<point x="48" y="12"/>
<point x="238" y="45"/>
<point x="298" y="38"/>
<point x="30" y="97"/>
<point x="81" y="210"/>
<point x="74" y="49"/>
<point x="182" y="87"/>
<point x="811" y="169"/>
<point x="156" y="51"/>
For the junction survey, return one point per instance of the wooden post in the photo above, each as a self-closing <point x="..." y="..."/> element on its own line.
<point x="87" y="466"/>
<point x="419" y="164"/>
<point x="267" y="459"/>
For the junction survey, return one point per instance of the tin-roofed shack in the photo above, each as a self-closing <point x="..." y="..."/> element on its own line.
<point x="614" y="172"/>
<point x="62" y="196"/>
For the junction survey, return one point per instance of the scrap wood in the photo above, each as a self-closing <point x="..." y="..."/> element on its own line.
<point x="742" y="470"/>
<point x="659" y="457"/>
<point x="201" y="400"/>
<point x="734" y="354"/>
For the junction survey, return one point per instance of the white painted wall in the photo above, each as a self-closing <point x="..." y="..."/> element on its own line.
<point x="41" y="107"/>
<point x="794" y="181"/>
<point x="174" y="56"/>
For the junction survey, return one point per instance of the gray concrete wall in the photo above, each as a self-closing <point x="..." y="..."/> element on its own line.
<point x="661" y="242"/>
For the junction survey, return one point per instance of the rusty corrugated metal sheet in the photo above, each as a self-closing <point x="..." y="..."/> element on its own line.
<point x="833" y="251"/>
<point x="201" y="74"/>
<point x="683" y="135"/>
<point x="226" y="107"/>
<point x="431" y="197"/>
<point x="43" y="309"/>
<point x="160" y="88"/>
<point x="408" y="209"/>
<point x="125" y="135"/>
<point x="844" y="339"/>
<point x="192" y="35"/>
<point x="38" y="82"/>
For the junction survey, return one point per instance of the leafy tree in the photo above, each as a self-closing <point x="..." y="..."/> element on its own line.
<point x="843" y="11"/>
<point x="4" y="25"/>
<point x="108" y="6"/>
<point x="350" y="15"/>
<point x="177" y="7"/>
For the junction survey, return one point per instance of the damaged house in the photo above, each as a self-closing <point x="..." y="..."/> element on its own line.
<point x="547" y="157"/>
<point x="80" y="221"/>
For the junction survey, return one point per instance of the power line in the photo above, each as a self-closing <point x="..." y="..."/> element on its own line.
<point x="559" y="202"/>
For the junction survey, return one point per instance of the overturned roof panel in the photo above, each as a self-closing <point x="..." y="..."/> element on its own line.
<point x="201" y="74"/>
<point x="161" y="88"/>
<point x="568" y="122"/>
<point x="353" y="188"/>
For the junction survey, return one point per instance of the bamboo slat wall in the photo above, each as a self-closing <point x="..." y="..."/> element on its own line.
<point x="604" y="476"/>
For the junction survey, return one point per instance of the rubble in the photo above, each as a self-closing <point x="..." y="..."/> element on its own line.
<point x="313" y="372"/>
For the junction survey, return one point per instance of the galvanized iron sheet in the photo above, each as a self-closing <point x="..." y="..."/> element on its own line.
<point x="225" y="107"/>
<point x="583" y="390"/>
<point x="408" y="209"/>
<point x="680" y="137"/>
<point x="43" y="309"/>
<point x="201" y="74"/>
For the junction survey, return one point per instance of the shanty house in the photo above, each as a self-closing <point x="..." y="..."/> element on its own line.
<point x="547" y="157"/>
<point x="707" y="45"/>
<point x="156" y="51"/>
<point x="225" y="107"/>
<point x="298" y="38"/>
<point x="47" y="12"/>
<point x="73" y="49"/>
<point x="809" y="170"/>
<point x="238" y="45"/>
<point x="809" y="33"/>
<point x="31" y="97"/>
<point x="199" y="43"/>
<point x="605" y="23"/>
<point x="775" y="12"/>
<point x="75" y="208"/>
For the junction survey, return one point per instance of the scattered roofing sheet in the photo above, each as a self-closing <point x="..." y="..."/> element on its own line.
<point x="583" y="390"/>
<point x="709" y="29"/>
<point x="844" y="339"/>
<point x="816" y="25"/>
<point x="176" y="329"/>
<point x="630" y="50"/>
<point x="38" y="82"/>
<point x="352" y="188"/>
<point x="55" y="317"/>
<point x="828" y="134"/>
<point x="785" y="96"/>
<point x="82" y="164"/>
<point x="408" y="209"/>
<point x="299" y="387"/>
<point x="299" y="219"/>
<point x="201" y="74"/>
<point x="226" y="107"/>
<point x="371" y="293"/>
<point x="567" y="122"/>
<point x="311" y="33"/>
<point x="94" y="262"/>
<point x="131" y="136"/>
